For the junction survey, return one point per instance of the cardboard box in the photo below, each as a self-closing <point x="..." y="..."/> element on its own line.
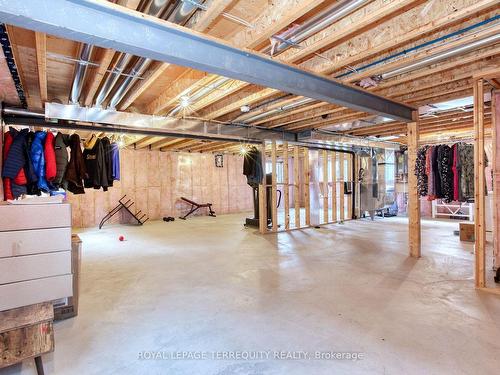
<point x="467" y="232"/>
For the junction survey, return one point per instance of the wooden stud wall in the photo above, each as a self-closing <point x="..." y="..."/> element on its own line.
<point x="331" y="184"/>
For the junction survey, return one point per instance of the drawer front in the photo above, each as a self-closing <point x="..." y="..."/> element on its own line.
<point x="34" y="291"/>
<point x="34" y="216"/>
<point x="32" y="267"/>
<point x="27" y="242"/>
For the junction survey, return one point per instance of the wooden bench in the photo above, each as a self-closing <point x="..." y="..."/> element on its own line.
<point x="196" y="206"/>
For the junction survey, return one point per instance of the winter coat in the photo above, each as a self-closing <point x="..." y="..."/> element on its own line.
<point x="7" y="189"/>
<point x="50" y="157"/>
<point x="95" y="165"/>
<point x="13" y="167"/>
<point x="75" y="171"/>
<point x="15" y="159"/>
<point x="38" y="159"/>
<point x="61" y="143"/>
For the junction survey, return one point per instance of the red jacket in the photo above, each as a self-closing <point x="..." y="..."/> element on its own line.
<point x="50" y="157"/>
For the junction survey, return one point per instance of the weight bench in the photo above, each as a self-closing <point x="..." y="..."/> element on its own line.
<point x="195" y="206"/>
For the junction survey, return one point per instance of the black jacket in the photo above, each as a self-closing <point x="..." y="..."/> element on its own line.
<point x="108" y="159"/>
<point x="252" y="166"/>
<point x="61" y="144"/>
<point x="95" y="164"/>
<point x="75" y="171"/>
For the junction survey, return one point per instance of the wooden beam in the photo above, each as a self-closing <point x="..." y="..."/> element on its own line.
<point x="41" y="62"/>
<point x="414" y="235"/>
<point x="479" y="186"/>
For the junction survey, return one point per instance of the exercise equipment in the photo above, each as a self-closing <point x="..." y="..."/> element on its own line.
<point x="168" y="218"/>
<point x="126" y="206"/>
<point x="254" y="222"/>
<point x="196" y="206"/>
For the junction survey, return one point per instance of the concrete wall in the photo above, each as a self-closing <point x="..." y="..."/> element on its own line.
<point x="156" y="181"/>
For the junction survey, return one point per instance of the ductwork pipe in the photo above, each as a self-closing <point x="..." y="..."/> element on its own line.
<point x="12" y="111"/>
<point x="284" y="108"/>
<point x="443" y="55"/>
<point x="180" y="15"/>
<point x="112" y="78"/>
<point x="318" y="23"/>
<point x="81" y="70"/>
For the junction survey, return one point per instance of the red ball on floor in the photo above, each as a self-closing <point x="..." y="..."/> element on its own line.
<point x="121" y="238"/>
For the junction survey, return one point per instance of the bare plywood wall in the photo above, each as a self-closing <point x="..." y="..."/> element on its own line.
<point x="156" y="181"/>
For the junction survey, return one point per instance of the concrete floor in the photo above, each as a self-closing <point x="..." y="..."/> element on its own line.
<point x="207" y="284"/>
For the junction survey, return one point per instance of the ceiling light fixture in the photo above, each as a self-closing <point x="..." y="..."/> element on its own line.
<point x="185" y="101"/>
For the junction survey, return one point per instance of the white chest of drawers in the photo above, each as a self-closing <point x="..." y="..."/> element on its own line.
<point x="35" y="254"/>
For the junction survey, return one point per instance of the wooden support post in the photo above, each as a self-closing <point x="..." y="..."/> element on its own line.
<point x="349" y="181"/>
<point x="307" y="179"/>
<point x="341" y="190"/>
<point x="333" y="158"/>
<point x="479" y="186"/>
<point x="286" y="185"/>
<point x="414" y="240"/>
<point x="262" y="194"/>
<point x="325" y="186"/>
<point x="496" y="175"/>
<point x="274" y="188"/>
<point x="296" y="181"/>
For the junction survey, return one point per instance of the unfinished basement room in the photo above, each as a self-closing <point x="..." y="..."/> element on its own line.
<point x="251" y="187"/>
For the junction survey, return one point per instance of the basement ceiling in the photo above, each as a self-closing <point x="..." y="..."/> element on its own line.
<point x="368" y="40"/>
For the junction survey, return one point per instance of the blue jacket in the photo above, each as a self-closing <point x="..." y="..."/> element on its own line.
<point x="38" y="159"/>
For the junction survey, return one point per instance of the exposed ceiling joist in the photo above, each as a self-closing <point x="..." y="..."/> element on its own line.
<point x="205" y="53"/>
<point x="41" y="61"/>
